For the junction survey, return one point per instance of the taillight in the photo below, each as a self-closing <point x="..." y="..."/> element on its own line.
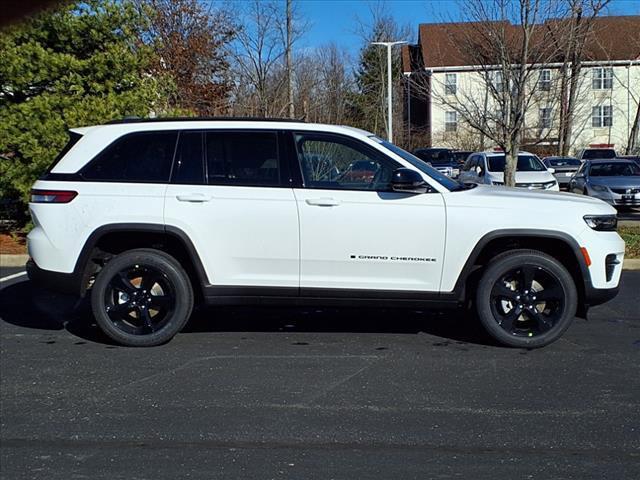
<point x="52" y="196"/>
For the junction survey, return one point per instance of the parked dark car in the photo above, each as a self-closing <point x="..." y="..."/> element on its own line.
<point x="597" y="153"/>
<point x="442" y="159"/>
<point x="461" y="156"/>
<point x="635" y="158"/>
<point x="564" y="168"/>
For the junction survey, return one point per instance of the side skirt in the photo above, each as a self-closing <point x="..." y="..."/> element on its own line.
<point x="291" y="296"/>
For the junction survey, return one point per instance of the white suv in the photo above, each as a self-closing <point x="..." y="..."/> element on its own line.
<point x="487" y="168"/>
<point x="148" y="217"/>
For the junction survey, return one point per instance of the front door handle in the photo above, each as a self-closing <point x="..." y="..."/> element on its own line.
<point x="323" y="202"/>
<point x="193" y="197"/>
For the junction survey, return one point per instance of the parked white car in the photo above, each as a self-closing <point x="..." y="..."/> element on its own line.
<point x="149" y="217"/>
<point x="487" y="168"/>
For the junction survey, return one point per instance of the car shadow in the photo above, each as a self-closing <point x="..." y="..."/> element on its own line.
<point x="24" y="306"/>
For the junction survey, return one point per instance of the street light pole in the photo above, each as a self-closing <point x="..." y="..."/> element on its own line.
<point x="389" y="89"/>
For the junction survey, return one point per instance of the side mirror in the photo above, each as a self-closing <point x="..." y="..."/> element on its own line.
<point x="408" y="181"/>
<point x="551" y="170"/>
<point x="479" y="171"/>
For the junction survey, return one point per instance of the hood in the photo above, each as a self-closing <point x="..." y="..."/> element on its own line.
<point x="540" y="199"/>
<point x="616" y="182"/>
<point x="525" y="177"/>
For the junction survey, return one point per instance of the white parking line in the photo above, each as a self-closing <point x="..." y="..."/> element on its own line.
<point x="11" y="277"/>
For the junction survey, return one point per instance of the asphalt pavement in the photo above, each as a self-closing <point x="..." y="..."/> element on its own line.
<point x="303" y="394"/>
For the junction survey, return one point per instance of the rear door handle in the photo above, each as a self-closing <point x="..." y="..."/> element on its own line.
<point x="193" y="197"/>
<point x="323" y="202"/>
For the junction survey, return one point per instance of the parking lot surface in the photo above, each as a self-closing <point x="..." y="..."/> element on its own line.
<point x="301" y="393"/>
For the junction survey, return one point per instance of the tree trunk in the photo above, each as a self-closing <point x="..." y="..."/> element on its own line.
<point x="289" y="72"/>
<point x="633" y="136"/>
<point x="510" y="164"/>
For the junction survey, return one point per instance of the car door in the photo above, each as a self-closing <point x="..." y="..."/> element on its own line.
<point x="578" y="181"/>
<point x="230" y="195"/>
<point x="469" y="174"/>
<point x="355" y="233"/>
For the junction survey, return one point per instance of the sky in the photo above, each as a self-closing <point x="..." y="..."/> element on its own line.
<point x="337" y="20"/>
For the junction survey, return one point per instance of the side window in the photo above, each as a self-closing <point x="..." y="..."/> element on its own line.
<point x="143" y="157"/>
<point x="188" y="167"/>
<point x="470" y="163"/>
<point x="332" y="162"/>
<point x="243" y="158"/>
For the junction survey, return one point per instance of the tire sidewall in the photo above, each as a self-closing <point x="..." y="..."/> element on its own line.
<point x="176" y="276"/>
<point x="508" y="262"/>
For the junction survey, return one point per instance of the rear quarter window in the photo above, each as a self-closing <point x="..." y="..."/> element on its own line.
<point x="73" y="139"/>
<point x="143" y="157"/>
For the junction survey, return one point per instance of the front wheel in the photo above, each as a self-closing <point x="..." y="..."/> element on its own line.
<point x="142" y="298"/>
<point x="526" y="299"/>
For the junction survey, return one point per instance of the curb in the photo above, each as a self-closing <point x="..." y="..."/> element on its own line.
<point x="631" y="264"/>
<point x="13" y="260"/>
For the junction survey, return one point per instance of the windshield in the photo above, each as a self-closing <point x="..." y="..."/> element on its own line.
<point x="598" y="153"/>
<point x="563" y="162"/>
<point x="434" y="156"/>
<point x="447" y="182"/>
<point x="526" y="163"/>
<point x="614" y="169"/>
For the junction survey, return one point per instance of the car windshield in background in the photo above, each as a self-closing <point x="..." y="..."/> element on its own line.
<point x="435" y="157"/>
<point x="614" y="169"/>
<point x="421" y="165"/>
<point x="563" y="162"/>
<point x="598" y="153"/>
<point x="526" y="163"/>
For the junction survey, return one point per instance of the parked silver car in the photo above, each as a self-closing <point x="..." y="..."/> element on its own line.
<point x="616" y="181"/>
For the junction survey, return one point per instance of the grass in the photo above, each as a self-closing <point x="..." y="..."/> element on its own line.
<point x="631" y="236"/>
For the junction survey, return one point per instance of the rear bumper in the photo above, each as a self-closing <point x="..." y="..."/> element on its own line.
<point x="68" y="283"/>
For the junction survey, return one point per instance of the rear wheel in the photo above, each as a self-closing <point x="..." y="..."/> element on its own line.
<point x="142" y="298"/>
<point x="526" y="298"/>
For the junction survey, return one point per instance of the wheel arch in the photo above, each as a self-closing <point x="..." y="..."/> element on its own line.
<point x="559" y="245"/>
<point x="111" y="239"/>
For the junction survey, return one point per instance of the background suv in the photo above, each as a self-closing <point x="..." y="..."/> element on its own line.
<point x="148" y="218"/>
<point x="488" y="168"/>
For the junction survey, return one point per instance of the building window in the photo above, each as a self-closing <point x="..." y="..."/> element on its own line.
<point x="545" y="80"/>
<point x="602" y="78"/>
<point x="450" y="121"/>
<point x="545" y="117"/>
<point x="450" y="83"/>
<point x="601" y="116"/>
<point x="498" y="81"/>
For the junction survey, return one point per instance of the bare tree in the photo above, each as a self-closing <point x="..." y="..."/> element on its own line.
<point x="189" y="39"/>
<point x="506" y="60"/>
<point x="570" y="34"/>
<point x="259" y="53"/>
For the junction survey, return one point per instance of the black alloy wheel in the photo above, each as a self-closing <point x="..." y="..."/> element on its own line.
<point x="527" y="301"/>
<point x="526" y="298"/>
<point x="139" y="299"/>
<point x="142" y="298"/>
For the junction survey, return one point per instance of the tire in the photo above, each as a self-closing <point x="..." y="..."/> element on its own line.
<point x="532" y="319"/>
<point x="142" y="298"/>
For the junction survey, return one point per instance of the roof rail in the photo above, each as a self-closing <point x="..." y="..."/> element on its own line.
<point x="198" y="119"/>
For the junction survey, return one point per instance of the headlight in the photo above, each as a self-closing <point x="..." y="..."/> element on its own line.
<point x="549" y="185"/>
<point x="599" y="188"/>
<point x="602" y="223"/>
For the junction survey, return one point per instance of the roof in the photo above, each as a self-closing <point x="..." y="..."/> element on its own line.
<point x="610" y="160"/>
<point x="199" y="119"/>
<point x="443" y="44"/>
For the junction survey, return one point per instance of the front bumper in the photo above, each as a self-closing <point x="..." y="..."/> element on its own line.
<point x="617" y="200"/>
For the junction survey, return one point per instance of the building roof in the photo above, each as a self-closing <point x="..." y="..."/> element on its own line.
<point x="446" y="44"/>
